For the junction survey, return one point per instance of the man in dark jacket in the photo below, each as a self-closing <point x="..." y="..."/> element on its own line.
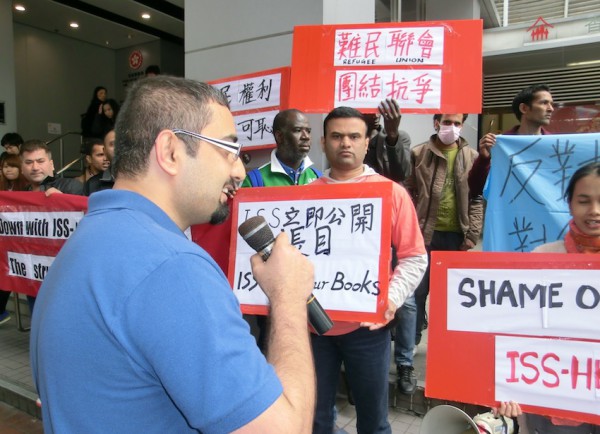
<point x="448" y="217"/>
<point x="533" y="108"/>
<point x="389" y="155"/>
<point x="389" y="150"/>
<point x="103" y="180"/>
<point x="38" y="170"/>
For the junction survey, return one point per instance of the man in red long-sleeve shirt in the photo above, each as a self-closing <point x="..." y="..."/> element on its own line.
<point x="533" y="107"/>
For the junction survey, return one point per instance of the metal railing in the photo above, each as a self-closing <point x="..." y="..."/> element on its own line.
<point x="61" y="151"/>
<point x="68" y="165"/>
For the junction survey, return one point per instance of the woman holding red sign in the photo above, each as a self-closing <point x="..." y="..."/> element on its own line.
<point x="583" y="196"/>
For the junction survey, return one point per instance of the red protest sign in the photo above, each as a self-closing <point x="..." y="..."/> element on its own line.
<point x="33" y="228"/>
<point x="254" y="100"/>
<point x="429" y="67"/>
<point x="343" y="229"/>
<point x="516" y="326"/>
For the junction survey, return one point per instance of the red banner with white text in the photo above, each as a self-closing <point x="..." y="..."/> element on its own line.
<point x="33" y="228"/>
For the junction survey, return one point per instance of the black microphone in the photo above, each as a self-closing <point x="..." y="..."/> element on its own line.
<point x="259" y="236"/>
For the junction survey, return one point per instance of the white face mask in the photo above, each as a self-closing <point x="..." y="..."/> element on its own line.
<point x="449" y="134"/>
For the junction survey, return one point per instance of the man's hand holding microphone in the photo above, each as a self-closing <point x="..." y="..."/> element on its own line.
<point x="282" y="271"/>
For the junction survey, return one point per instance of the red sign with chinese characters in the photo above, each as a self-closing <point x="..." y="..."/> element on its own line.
<point x="254" y="100"/>
<point x="429" y="67"/>
<point x="343" y="229"/>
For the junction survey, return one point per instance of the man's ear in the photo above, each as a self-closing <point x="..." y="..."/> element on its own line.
<point x="278" y="136"/>
<point x="167" y="148"/>
<point x="523" y="108"/>
<point x="323" y="143"/>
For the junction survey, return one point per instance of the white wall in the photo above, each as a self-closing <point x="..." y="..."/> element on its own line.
<point x="7" y="69"/>
<point x="125" y="75"/>
<point x="257" y="37"/>
<point x="452" y="10"/>
<point x="348" y="11"/>
<point x="220" y="43"/>
<point x="167" y="55"/>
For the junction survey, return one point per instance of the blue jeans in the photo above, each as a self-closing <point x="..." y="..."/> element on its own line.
<point x="448" y="241"/>
<point x="31" y="302"/>
<point x="406" y="330"/>
<point x="4" y="296"/>
<point x="366" y="357"/>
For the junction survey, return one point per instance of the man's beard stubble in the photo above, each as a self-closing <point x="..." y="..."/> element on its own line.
<point x="220" y="214"/>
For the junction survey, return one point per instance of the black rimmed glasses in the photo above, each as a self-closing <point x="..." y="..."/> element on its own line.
<point x="234" y="148"/>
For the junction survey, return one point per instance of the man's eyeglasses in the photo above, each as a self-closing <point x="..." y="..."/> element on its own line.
<point x="234" y="148"/>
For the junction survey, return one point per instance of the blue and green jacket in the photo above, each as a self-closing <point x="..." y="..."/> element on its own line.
<point x="274" y="174"/>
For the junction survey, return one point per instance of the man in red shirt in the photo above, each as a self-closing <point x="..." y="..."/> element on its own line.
<point x="533" y="107"/>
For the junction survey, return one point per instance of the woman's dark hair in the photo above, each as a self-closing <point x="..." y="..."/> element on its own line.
<point x="18" y="184"/>
<point x="95" y="94"/>
<point x="88" y="117"/>
<point x="582" y="172"/>
<point x="12" y="139"/>
<point x="115" y="107"/>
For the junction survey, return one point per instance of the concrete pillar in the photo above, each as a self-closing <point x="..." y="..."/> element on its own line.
<point x="7" y="69"/>
<point x="451" y="10"/>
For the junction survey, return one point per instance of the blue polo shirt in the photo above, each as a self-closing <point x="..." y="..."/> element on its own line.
<point x="137" y="330"/>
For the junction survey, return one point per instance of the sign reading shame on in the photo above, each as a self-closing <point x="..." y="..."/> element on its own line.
<point x="343" y="229"/>
<point x="33" y="228"/>
<point x="516" y="326"/>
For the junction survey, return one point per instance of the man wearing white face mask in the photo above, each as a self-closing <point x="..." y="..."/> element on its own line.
<point x="448" y="217"/>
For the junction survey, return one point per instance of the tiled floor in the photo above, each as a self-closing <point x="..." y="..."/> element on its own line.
<point x="13" y="421"/>
<point x="14" y="357"/>
<point x="16" y="383"/>
<point x="14" y="354"/>
<point x="15" y="373"/>
<point x="402" y="422"/>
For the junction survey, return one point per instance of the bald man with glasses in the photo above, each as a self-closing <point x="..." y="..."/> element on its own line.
<point x="147" y="336"/>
